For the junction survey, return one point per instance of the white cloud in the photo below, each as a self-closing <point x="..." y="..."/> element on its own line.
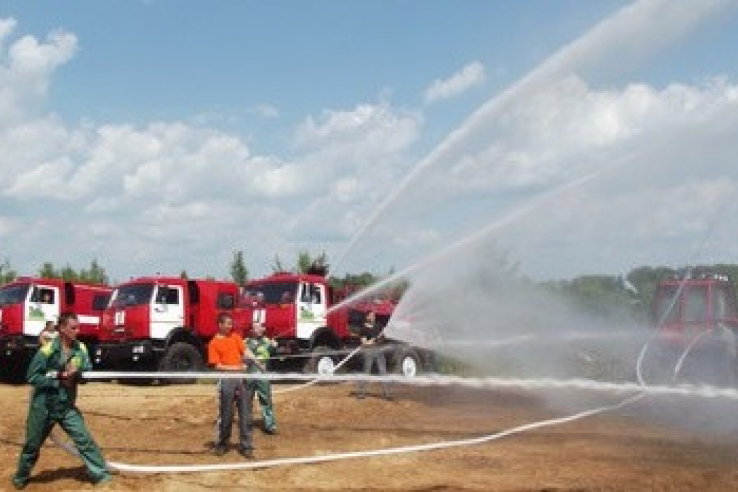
<point x="25" y="71"/>
<point x="171" y="195"/>
<point x="469" y="76"/>
<point x="129" y="194"/>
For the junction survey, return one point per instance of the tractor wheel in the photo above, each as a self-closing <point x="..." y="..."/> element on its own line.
<point x="322" y="362"/>
<point x="181" y="357"/>
<point x="407" y="362"/>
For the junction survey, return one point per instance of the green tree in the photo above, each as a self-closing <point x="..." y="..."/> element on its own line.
<point x="239" y="272"/>
<point x="304" y="260"/>
<point x="317" y="265"/>
<point x="277" y="265"/>
<point x="644" y="279"/>
<point x="6" y="273"/>
<point x="95" y="274"/>
<point x="47" y="270"/>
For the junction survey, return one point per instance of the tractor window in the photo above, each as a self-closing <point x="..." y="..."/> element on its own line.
<point x="167" y="295"/>
<point x="42" y="295"/>
<point x="310" y="293"/>
<point x="100" y="301"/>
<point x="132" y="295"/>
<point x="722" y="308"/>
<point x="666" y="307"/>
<point x="276" y="292"/>
<point x="226" y="300"/>
<point x="695" y="304"/>
<point x="13" y="294"/>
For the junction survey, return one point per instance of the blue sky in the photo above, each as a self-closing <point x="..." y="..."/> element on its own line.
<point x="157" y="136"/>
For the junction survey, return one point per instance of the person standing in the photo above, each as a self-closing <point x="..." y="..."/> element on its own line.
<point x="54" y="372"/>
<point x="226" y="352"/>
<point x="372" y="338"/>
<point x="47" y="334"/>
<point x="263" y="348"/>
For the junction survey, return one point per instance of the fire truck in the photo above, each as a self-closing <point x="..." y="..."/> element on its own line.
<point x="164" y="323"/>
<point x="27" y="303"/>
<point x="300" y="311"/>
<point x="696" y="319"/>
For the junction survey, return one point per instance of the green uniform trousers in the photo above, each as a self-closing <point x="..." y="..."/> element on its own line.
<point x="263" y="390"/>
<point x="38" y="427"/>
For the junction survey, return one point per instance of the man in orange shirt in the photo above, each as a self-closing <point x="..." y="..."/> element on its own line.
<point x="226" y="352"/>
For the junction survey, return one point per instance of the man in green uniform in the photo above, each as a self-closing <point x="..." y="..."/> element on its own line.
<point x="54" y="373"/>
<point x="262" y="347"/>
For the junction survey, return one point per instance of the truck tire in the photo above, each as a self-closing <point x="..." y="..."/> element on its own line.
<point x="13" y="371"/>
<point x="407" y="362"/>
<point x="321" y="362"/>
<point x="181" y="357"/>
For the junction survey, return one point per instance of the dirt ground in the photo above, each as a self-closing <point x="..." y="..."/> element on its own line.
<point x="174" y="425"/>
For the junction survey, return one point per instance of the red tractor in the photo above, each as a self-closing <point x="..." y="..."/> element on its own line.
<point x="696" y="319"/>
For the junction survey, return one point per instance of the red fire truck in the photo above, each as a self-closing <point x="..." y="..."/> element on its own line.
<point x="696" y="319"/>
<point x="27" y="303"/>
<point x="299" y="311"/>
<point x="164" y="323"/>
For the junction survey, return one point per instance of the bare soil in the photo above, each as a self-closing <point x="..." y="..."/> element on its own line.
<point x="174" y="425"/>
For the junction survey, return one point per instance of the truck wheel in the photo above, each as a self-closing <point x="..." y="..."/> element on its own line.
<point x="181" y="357"/>
<point x="321" y="362"/>
<point x="13" y="371"/>
<point x="407" y="362"/>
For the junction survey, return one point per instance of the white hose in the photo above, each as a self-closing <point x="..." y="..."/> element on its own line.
<point x="420" y="381"/>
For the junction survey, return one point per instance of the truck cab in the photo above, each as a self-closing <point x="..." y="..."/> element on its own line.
<point x="27" y="303"/>
<point x="164" y="323"/>
<point x="696" y="319"/>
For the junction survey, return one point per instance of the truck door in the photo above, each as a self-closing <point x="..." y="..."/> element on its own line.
<point x="166" y="311"/>
<point x="311" y="308"/>
<point x="43" y="305"/>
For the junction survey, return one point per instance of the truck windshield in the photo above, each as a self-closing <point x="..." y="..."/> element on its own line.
<point x="13" y="294"/>
<point x="722" y="303"/>
<point x="132" y="295"/>
<point x="274" y="292"/>
<point x="666" y="307"/>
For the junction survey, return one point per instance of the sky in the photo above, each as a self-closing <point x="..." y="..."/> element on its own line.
<point x="160" y="136"/>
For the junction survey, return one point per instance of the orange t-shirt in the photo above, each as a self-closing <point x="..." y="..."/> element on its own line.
<point x="227" y="350"/>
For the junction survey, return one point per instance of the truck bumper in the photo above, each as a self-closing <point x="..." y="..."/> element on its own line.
<point x="130" y="354"/>
<point x="17" y="345"/>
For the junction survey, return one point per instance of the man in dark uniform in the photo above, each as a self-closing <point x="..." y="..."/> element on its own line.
<point x="54" y="373"/>
<point x="372" y="338"/>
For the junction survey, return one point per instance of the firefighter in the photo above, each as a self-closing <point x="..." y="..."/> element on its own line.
<point x="226" y="352"/>
<point x="263" y="348"/>
<point x="54" y="372"/>
<point x="47" y="334"/>
<point x="372" y="340"/>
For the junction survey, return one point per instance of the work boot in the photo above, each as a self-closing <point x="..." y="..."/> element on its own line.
<point x="247" y="453"/>
<point x="220" y="449"/>
<point x="19" y="484"/>
<point x="103" y="482"/>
